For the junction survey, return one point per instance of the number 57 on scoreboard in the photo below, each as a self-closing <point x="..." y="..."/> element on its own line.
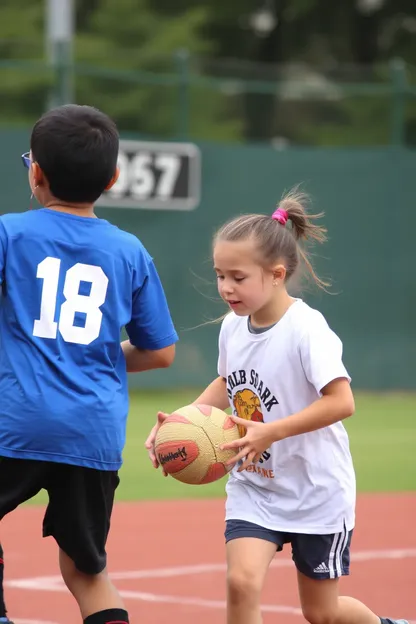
<point x="156" y="176"/>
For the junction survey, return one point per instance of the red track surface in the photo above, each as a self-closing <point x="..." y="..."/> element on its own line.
<point x="160" y="535"/>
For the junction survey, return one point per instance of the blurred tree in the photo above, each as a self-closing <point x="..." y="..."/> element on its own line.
<point x="321" y="42"/>
<point x="347" y="40"/>
<point x="119" y="39"/>
<point x="125" y="35"/>
<point x="22" y="90"/>
<point x="363" y="31"/>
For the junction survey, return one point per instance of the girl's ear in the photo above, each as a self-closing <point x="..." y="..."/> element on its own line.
<point x="279" y="273"/>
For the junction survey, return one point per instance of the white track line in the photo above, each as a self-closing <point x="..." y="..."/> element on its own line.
<point x="201" y="602"/>
<point x="55" y="583"/>
<point x="20" y="621"/>
<point x="205" y="568"/>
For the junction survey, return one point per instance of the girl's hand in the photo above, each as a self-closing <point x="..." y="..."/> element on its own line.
<point x="150" y="442"/>
<point x="258" y="438"/>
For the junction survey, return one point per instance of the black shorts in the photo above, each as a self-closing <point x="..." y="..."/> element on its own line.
<point x="316" y="556"/>
<point x="80" y="505"/>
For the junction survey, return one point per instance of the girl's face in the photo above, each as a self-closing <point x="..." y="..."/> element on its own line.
<point x="242" y="283"/>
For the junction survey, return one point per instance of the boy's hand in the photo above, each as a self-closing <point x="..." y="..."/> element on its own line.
<point x="150" y="442"/>
<point x="258" y="438"/>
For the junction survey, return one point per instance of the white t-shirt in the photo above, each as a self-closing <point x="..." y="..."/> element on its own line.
<point x="305" y="483"/>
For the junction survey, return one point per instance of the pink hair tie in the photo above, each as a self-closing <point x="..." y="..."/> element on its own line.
<point x="281" y="216"/>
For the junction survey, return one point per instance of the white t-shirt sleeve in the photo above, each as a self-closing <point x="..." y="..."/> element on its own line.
<point x="321" y="355"/>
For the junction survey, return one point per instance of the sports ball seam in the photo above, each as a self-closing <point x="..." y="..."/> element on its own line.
<point x="209" y="440"/>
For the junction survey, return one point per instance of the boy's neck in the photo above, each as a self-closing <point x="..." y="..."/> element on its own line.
<point x="80" y="210"/>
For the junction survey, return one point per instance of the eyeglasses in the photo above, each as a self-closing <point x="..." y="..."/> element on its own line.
<point x="26" y="160"/>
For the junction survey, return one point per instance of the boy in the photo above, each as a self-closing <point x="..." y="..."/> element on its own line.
<point x="3" y="611"/>
<point x="70" y="282"/>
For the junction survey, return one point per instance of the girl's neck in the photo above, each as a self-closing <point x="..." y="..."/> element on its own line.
<point x="273" y="311"/>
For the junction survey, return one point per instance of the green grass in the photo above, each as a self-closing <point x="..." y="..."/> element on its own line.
<point x="383" y="442"/>
<point x="382" y="435"/>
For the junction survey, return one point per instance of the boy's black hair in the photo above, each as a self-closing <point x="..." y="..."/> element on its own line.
<point x="77" y="148"/>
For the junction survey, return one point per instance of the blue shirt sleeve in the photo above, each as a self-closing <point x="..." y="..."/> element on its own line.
<point x="3" y="246"/>
<point x="151" y="326"/>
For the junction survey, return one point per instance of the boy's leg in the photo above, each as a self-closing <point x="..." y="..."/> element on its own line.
<point x="20" y="480"/>
<point x="250" y="549"/>
<point x="321" y="560"/>
<point x="78" y="517"/>
<point x="98" y="599"/>
<point x="3" y="610"/>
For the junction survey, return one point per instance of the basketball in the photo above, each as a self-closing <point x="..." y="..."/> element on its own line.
<point x="187" y="444"/>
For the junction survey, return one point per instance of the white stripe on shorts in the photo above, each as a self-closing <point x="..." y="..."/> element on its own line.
<point x="339" y="544"/>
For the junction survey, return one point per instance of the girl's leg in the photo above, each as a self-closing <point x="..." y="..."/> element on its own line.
<point x="320" y="561"/>
<point x="248" y="559"/>
<point x="321" y="604"/>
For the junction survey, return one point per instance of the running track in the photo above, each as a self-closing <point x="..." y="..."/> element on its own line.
<point x="167" y="558"/>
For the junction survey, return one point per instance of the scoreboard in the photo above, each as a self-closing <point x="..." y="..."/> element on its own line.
<point x="156" y="176"/>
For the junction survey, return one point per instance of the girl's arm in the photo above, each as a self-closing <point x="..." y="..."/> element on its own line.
<point x="336" y="403"/>
<point x="215" y="394"/>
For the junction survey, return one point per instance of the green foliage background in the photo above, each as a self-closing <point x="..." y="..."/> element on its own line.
<point x="322" y="76"/>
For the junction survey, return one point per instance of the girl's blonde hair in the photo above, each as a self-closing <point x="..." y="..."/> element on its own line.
<point x="274" y="240"/>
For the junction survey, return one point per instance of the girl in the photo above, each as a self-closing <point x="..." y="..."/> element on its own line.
<point x="293" y="480"/>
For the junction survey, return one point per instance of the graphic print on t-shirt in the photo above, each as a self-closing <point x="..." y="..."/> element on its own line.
<point x="248" y="406"/>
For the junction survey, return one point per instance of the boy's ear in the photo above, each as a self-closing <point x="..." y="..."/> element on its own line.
<point x="113" y="179"/>
<point x="37" y="174"/>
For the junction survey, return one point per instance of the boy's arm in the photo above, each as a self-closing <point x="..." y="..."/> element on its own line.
<point x="3" y="244"/>
<point x="138" y="360"/>
<point x="151" y="332"/>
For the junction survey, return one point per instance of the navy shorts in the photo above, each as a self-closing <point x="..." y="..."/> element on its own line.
<point x="316" y="556"/>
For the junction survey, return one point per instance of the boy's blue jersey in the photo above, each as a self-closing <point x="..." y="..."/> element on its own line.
<point x="69" y="285"/>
